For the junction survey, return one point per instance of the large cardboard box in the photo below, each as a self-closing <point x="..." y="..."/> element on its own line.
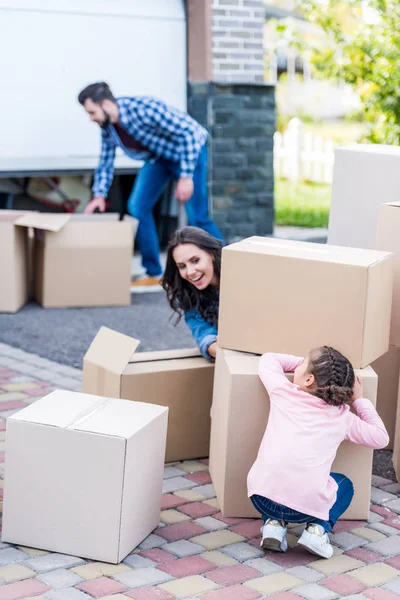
<point x="388" y="239"/>
<point x="179" y="379"/>
<point x="84" y="475"/>
<point x="292" y="296"/>
<point x="365" y="176"/>
<point x="239" y="417"/>
<point x="14" y="272"/>
<point x="387" y="367"/>
<point x="82" y="260"/>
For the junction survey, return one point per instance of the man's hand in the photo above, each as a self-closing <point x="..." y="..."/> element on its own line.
<point x="358" y="390"/>
<point x="99" y="202"/>
<point x="184" y="189"/>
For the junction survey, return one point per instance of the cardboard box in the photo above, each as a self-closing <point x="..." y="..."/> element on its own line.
<point x="387" y="367"/>
<point x="293" y="296"/>
<point x="388" y="239"/>
<point x="179" y="379"/>
<point x="239" y="417"/>
<point x="14" y="274"/>
<point x="365" y="176"/>
<point x="82" y="260"/>
<point x="84" y="475"/>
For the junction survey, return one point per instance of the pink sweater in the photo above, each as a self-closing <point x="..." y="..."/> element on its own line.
<point x="300" y="443"/>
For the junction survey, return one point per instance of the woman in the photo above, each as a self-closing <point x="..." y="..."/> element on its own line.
<point x="191" y="280"/>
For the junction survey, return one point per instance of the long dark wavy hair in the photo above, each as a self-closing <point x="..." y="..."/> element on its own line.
<point x="182" y="295"/>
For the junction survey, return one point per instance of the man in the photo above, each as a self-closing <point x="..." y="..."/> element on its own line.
<point x="173" y="146"/>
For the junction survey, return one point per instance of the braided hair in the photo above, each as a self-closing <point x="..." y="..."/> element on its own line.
<point x="333" y="374"/>
<point x="183" y="296"/>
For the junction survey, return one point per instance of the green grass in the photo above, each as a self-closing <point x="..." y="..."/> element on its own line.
<point x="304" y="204"/>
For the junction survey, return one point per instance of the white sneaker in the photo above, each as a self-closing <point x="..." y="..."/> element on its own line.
<point x="273" y="536"/>
<point x="315" y="539"/>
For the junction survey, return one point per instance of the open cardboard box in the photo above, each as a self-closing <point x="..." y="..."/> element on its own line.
<point x="179" y="379"/>
<point x="239" y="418"/>
<point x="14" y="263"/>
<point x="81" y="260"/>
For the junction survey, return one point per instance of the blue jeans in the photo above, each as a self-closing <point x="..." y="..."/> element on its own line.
<point x="271" y="510"/>
<point x="151" y="181"/>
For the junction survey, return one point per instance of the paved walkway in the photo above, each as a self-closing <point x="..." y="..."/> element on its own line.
<point x="195" y="552"/>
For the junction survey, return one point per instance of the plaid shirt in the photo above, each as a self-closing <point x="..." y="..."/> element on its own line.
<point x="165" y="132"/>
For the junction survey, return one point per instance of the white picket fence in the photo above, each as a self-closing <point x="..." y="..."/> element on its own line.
<point x="300" y="155"/>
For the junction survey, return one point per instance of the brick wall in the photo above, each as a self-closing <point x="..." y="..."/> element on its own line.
<point x="237" y="41"/>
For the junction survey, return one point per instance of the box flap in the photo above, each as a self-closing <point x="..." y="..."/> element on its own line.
<point x="308" y="251"/>
<point x="111" y="350"/>
<point x="160" y="355"/>
<point x="94" y="414"/>
<point x="395" y="204"/>
<point x="99" y="217"/>
<point x="46" y="221"/>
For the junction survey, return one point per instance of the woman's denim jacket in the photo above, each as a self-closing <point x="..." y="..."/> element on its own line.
<point x="203" y="332"/>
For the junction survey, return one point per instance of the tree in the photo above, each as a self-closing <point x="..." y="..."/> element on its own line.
<point x="365" y="54"/>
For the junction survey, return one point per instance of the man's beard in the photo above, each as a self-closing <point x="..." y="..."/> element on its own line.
<point x="107" y="120"/>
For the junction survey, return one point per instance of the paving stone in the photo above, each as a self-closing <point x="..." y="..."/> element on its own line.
<point x="67" y="594"/>
<point x="176" y="483"/>
<point x="7" y="361"/>
<point x="218" y="558"/>
<point x="183" y="548"/>
<point x="355" y="597"/>
<point x="15" y="572"/>
<point x="149" y="593"/>
<point x="197" y="510"/>
<point x="264" y="566"/>
<point x="387" y="547"/>
<point x="336" y="565"/>
<point x="381" y="497"/>
<point x="343" y="585"/>
<point x="213" y="502"/>
<point x="194" y="585"/>
<point x="375" y="574"/>
<point x="60" y="578"/>
<point x="207" y="491"/>
<point x="305" y="573"/>
<point x="252" y="529"/>
<point x="392" y="488"/>
<point x="379" y="594"/>
<point x="347" y="540"/>
<point x="93" y="570"/>
<point x="369" y="534"/>
<point x="386" y="529"/>
<point x="217" y="539"/>
<point x="270" y="584"/>
<point x="210" y="523"/>
<point x="11" y="555"/>
<point x="142" y="577"/>
<point x="32" y="551"/>
<point x="172" y="516"/>
<point x="182" y="531"/>
<point x="173" y="472"/>
<point x="191" y="496"/>
<point x="138" y="562"/>
<point x="50" y="562"/>
<point x="65" y="382"/>
<point x="152" y="541"/>
<point x="393" y="562"/>
<point x="235" y="592"/>
<point x="22" y="589"/>
<point x="374" y="517"/>
<point x="201" y="478"/>
<point x="242" y="551"/>
<point x="171" y="501"/>
<point x="20" y="387"/>
<point x="393" y="586"/>
<point x="365" y="555"/>
<point x="378" y="481"/>
<point x="101" y="586"/>
<point x="158" y="556"/>
<point x="313" y="591"/>
<point x="193" y="466"/>
<point x="191" y="565"/>
<point x="394" y="505"/>
<point x="12" y="397"/>
<point x="228" y="576"/>
<point x="295" y="558"/>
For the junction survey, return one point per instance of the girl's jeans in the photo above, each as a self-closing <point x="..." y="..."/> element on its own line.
<point x="271" y="510"/>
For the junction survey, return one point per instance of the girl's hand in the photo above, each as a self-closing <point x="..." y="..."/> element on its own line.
<point x="358" y="389"/>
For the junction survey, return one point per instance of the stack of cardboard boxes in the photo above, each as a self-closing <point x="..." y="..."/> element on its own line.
<point x="365" y="214"/>
<point x="291" y="297"/>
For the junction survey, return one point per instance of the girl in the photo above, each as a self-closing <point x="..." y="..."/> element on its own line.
<point x="191" y="280"/>
<point x="290" y="481"/>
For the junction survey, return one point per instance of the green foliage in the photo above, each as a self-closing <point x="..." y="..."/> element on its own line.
<point x="364" y="54"/>
<point x="302" y="204"/>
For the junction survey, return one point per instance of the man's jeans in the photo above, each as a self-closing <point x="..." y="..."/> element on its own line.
<point x="151" y="181"/>
<point x="271" y="510"/>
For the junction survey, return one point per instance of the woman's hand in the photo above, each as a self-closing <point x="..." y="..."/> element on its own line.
<point x="212" y="349"/>
<point x="358" y="389"/>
